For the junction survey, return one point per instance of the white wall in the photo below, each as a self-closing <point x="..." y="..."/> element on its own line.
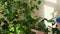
<point x="51" y="7"/>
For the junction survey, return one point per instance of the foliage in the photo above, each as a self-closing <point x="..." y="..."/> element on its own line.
<point x="42" y="25"/>
<point x="17" y="16"/>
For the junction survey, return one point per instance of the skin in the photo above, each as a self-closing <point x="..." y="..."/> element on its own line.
<point x="37" y="31"/>
<point x="58" y="26"/>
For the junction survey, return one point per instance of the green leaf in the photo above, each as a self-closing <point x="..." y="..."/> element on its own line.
<point x="27" y="11"/>
<point x="12" y="29"/>
<point x="36" y="7"/>
<point x="11" y="11"/>
<point x="32" y="8"/>
<point x="42" y="25"/>
<point x="39" y="2"/>
<point x="51" y="20"/>
<point x="25" y="5"/>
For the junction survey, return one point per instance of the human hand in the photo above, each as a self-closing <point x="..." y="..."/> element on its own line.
<point x="37" y="31"/>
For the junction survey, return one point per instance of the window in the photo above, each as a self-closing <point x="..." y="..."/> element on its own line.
<point x="48" y="11"/>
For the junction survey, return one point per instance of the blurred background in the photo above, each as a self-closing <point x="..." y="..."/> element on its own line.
<point x="49" y="9"/>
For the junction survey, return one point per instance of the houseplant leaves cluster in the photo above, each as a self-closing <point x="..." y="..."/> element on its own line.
<point x="17" y="16"/>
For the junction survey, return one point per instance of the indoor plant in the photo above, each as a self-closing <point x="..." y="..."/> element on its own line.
<point x="17" y="16"/>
